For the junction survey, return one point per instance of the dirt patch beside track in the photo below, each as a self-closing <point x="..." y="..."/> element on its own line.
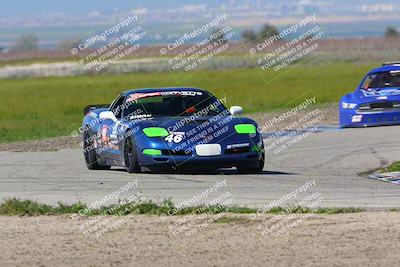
<point x="48" y="144"/>
<point x="361" y="239"/>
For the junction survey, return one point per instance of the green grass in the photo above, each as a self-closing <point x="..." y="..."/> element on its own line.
<point x="339" y="210"/>
<point x="48" y="107"/>
<point x="394" y="209"/>
<point x="17" y="207"/>
<point x="394" y="167"/>
<point x="228" y="220"/>
<point x="14" y="206"/>
<point x="278" y="210"/>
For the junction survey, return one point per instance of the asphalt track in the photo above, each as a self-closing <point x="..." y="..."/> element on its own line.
<point x="333" y="158"/>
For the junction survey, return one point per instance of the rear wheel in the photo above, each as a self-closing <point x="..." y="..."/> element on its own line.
<point x="90" y="153"/>
<point x="253" y="168"/>
<point x="130" y="156"/>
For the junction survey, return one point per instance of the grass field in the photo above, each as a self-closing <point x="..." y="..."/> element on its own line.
<point x="49" y="107"/>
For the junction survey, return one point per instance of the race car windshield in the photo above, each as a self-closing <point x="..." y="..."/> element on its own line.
<point x="172" y="104"/>
<point x="382" y="80"/>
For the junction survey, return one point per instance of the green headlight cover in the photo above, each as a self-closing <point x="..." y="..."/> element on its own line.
<point x="152" y="152"/>
<point x="256" y="149"/>
<point x="245" y="129"/>
<point x="155" y="132"/>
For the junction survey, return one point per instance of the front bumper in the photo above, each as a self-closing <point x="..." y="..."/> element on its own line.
<point x="352" y="118"/>
<point x="193" y="162"/>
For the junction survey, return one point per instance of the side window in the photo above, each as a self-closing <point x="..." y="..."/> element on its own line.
<point x="370" y="82"/>
<point x="396" y="81"/>
<point x="116" y="107"/>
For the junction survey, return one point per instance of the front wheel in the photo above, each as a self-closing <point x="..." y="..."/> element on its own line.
<point x="130" y="156"/>
<point x="253" y="168"/>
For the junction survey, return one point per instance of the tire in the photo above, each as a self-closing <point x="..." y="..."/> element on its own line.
<point x="90" y="154"/>
<point x="130" y="156"/>
<point x="256" y="168"/>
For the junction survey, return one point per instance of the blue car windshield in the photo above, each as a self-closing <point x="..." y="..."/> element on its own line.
<point x="382" y="80"/>
<point x="172" y="104"/>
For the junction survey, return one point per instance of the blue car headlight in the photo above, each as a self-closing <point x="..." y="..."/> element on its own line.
<point x="245" y="129"/>
<point x="346" y="105"/>
<point x="155" y="132"/>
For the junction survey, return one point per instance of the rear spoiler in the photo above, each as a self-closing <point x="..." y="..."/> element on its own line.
<point x="391" y="63"/>
<point x="89" y="108"/>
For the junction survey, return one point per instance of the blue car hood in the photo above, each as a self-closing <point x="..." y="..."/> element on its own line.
<point x="221" y="129"/>
<point x="365" y="96"/>
<point x="181" y="124"/>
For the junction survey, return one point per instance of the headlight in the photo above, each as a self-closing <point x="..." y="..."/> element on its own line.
<point x="155" y="132"/>
<point x="152" y="152"/>
<point x="346" y="105"/>
<point x="245" y="129"/>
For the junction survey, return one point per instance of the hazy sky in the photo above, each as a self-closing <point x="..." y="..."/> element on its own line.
<point x="30" y="7"/>
<point x="12" y="8"/>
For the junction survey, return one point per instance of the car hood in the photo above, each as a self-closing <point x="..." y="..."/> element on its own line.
<point x="364" y="96"/>
<point x="195" y="131"/>
<point x="179" y="124"/>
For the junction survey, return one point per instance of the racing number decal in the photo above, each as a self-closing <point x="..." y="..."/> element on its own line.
<point x="104" y="136"/>
<point x="175" y="137"/>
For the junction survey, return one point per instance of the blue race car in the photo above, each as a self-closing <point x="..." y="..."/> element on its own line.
<point x="376" y="101"/>
<point x="170" y="129"/>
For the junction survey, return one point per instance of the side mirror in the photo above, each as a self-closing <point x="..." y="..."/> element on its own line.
<point x="108" y="115"/>
<point x="236" y="110"/>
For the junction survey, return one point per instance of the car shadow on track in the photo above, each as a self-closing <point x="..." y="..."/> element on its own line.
<point x="213" y="172"/>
